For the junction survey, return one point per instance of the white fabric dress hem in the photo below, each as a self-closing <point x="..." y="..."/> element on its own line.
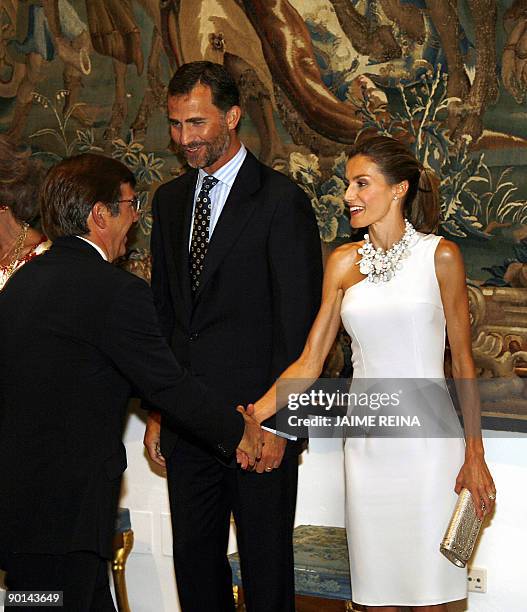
<point x="408" y="603"/>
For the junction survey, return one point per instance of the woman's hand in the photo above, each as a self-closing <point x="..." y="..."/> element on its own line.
<point x="475" y="476"/>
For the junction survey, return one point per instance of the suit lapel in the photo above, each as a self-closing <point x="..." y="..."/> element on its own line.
<point x="179" y="232"/>
<point x="238" y="208"/>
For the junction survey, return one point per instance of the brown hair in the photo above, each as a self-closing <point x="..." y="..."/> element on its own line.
<point x="397" y="163"/>
<point x="20" y="178"/>
<point x="225" y="93"/>
<point x="74" y="185"/>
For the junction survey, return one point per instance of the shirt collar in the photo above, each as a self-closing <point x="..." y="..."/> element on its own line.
<point x="95" y="246"/>
<point x="227" y="173"/>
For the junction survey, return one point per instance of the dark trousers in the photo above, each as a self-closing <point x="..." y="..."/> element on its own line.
<point x="82" y="576"/>
<point x="203" y="493"/>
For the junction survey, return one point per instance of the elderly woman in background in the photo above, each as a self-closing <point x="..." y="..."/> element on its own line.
<point x="19" y="184"/>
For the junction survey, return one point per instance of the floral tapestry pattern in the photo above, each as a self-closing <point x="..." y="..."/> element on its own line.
<point x="448" y="78"/>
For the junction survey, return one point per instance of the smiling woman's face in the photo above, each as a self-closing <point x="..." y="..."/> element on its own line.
<point x="368" y="195"/>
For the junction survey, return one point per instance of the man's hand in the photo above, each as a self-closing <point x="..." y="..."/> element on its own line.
<point x="152" y="437"/>
<point x="252" y="440"/>
<point x="272" y="452"/>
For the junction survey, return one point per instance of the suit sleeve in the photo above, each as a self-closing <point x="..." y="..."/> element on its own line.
<point x="133" y="341"/>
<point x="160" y="284"/>
<point x="296" y="277"/>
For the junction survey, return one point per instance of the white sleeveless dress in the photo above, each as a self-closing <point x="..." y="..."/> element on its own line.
<point x="400" y="491"/>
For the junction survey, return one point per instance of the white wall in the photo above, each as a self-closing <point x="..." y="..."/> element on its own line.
<point x="502" y="549"/>
<point x="503" y="545"/>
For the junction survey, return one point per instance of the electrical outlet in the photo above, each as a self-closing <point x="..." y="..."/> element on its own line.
<point x="477" y="579"/>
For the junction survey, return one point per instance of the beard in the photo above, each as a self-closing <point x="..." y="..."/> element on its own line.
<point x="208" y="151"/>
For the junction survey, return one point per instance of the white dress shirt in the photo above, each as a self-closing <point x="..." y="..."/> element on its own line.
<point x="218" y="195"/>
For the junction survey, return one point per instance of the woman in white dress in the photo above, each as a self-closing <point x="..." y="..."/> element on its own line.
<point x="395" y="292"/>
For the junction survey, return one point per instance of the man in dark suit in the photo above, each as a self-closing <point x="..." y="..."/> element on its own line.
<point x="237" y="282"/>
<point x="76" y="336"/>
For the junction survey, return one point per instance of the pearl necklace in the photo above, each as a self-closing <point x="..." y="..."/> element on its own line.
<point x="379" y="265"/>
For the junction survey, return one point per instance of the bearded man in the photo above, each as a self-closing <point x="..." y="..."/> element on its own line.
<point x="237" y="282"/>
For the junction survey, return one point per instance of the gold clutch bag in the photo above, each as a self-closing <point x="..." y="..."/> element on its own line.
<point x="462" y="531"/>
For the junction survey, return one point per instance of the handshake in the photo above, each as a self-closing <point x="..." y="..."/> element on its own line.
<point x="258" y="449"/>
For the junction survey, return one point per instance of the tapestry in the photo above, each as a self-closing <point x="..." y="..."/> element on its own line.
<point x="448" y="77"/>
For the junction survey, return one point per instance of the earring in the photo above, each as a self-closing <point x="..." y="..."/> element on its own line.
<point x="4" y="208"/>
<point x="395" y="198"/>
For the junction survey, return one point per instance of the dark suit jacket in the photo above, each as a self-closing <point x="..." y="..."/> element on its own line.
<point x="75" y="334"/>
<point x="260" y="288"/>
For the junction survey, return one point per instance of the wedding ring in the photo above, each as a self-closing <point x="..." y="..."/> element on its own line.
<point x="492" y="496"/>
<point x="268" y="469"/>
